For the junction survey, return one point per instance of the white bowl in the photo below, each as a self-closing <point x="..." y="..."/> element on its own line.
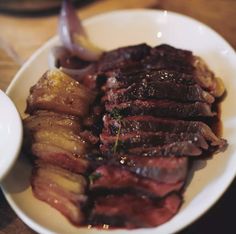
<point x="10" y="134"/>
<point x="121" y="28"/>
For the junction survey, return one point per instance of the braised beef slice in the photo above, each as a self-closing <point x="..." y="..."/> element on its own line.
<point x="161" y="169"/>
<point x="122" y="56"/>
<point x="176" y="149"/>
<point x="152" y="124"/>
<point x="124" y="211"/>
<point x="124" y="78"/>
<point x="162" y="108"/>
<point x="149" y="139"/>
<point x="168" y="57"/>
<point x="113" y="179"/>
<point x="159" y="90"/>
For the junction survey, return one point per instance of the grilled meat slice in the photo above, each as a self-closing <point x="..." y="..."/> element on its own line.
<point x="159" y="90"/>
<point x="177" y="149"/>
<point x="112" y="179"/>
<point x="122" y="57"/>
<point x="149" y="139"/>
<point x="162" y="108"/>
<point x="170" y="58"/>
<point x="152" y="124"/>
<point x="123" y="78"/>
<point x="161" y="169"/>
<point x="124" y="211"/>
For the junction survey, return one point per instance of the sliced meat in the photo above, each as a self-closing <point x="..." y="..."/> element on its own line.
<point x="159" y="90"/>
<point x="133" y="212"/>
<point x="152" y="124"/>
<point x="61" y="138"/>
<point x="59" y="130"/>
<point x="112" y="179"/>
<point x="48" y="119"/>
<point x="61" y="189"/>
<point x="56" y="91"/>
<point x="170" y="58"/>
<point x="162" y="108"/>
<point x="149" y="139"/>
<point x="56" y="156"/>
<point x="161" y="169"/>
<point x="177" y="149"/>
<point x="122" y="56"/>
<point x="124" y="78"/>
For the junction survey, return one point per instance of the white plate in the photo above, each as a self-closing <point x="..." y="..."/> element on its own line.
<point x="122" y="28"/>
<point x="10" y="134"/>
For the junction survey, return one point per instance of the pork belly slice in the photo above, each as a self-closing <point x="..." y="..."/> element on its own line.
<point x="131" y="211"/>
<point x="61" y="138"/>
<point x="48" y="119"/>
<point x="162" y="108"/>
<point x="161" y="169"/>
<point x="152" y="124"/>
<point x="61" y="189"/>
<point x="159" y="90"/>
<point x="149" y="139"/>
<point x="56" y="156"/>
<point x="122" y="56"/>
<point x="112" y="179"/>
<point x="55" y="91"/>
<point x="177" y="149"/>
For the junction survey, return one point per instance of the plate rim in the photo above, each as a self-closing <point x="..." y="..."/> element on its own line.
<point x="27" y="220"/>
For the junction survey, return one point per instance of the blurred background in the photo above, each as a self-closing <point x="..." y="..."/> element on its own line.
<point x="25" y="25"/>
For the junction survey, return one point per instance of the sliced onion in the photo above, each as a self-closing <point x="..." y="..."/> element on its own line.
<point x="60" y="52"/>
<point x="79" y="74"/>
<point x="73" y="35"/>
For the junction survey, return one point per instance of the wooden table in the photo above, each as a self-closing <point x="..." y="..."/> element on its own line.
<point x="22" y="35"/>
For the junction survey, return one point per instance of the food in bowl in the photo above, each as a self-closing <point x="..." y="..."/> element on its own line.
<point x="113" y="147"/>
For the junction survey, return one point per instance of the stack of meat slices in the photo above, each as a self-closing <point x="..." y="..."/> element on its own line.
<point x="54" y="137"/>
<point x="125" y="166"/>
<point x="155" y="102"/>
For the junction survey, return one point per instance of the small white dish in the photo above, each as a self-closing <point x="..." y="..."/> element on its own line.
<point x="10" y="134"/>
<point x="122" y="28"/>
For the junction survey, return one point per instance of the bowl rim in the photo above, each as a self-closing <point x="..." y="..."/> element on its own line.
<point x="18" y="136"/>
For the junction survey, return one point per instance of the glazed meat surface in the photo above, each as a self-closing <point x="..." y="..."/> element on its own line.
<point x="115" y="148"/>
